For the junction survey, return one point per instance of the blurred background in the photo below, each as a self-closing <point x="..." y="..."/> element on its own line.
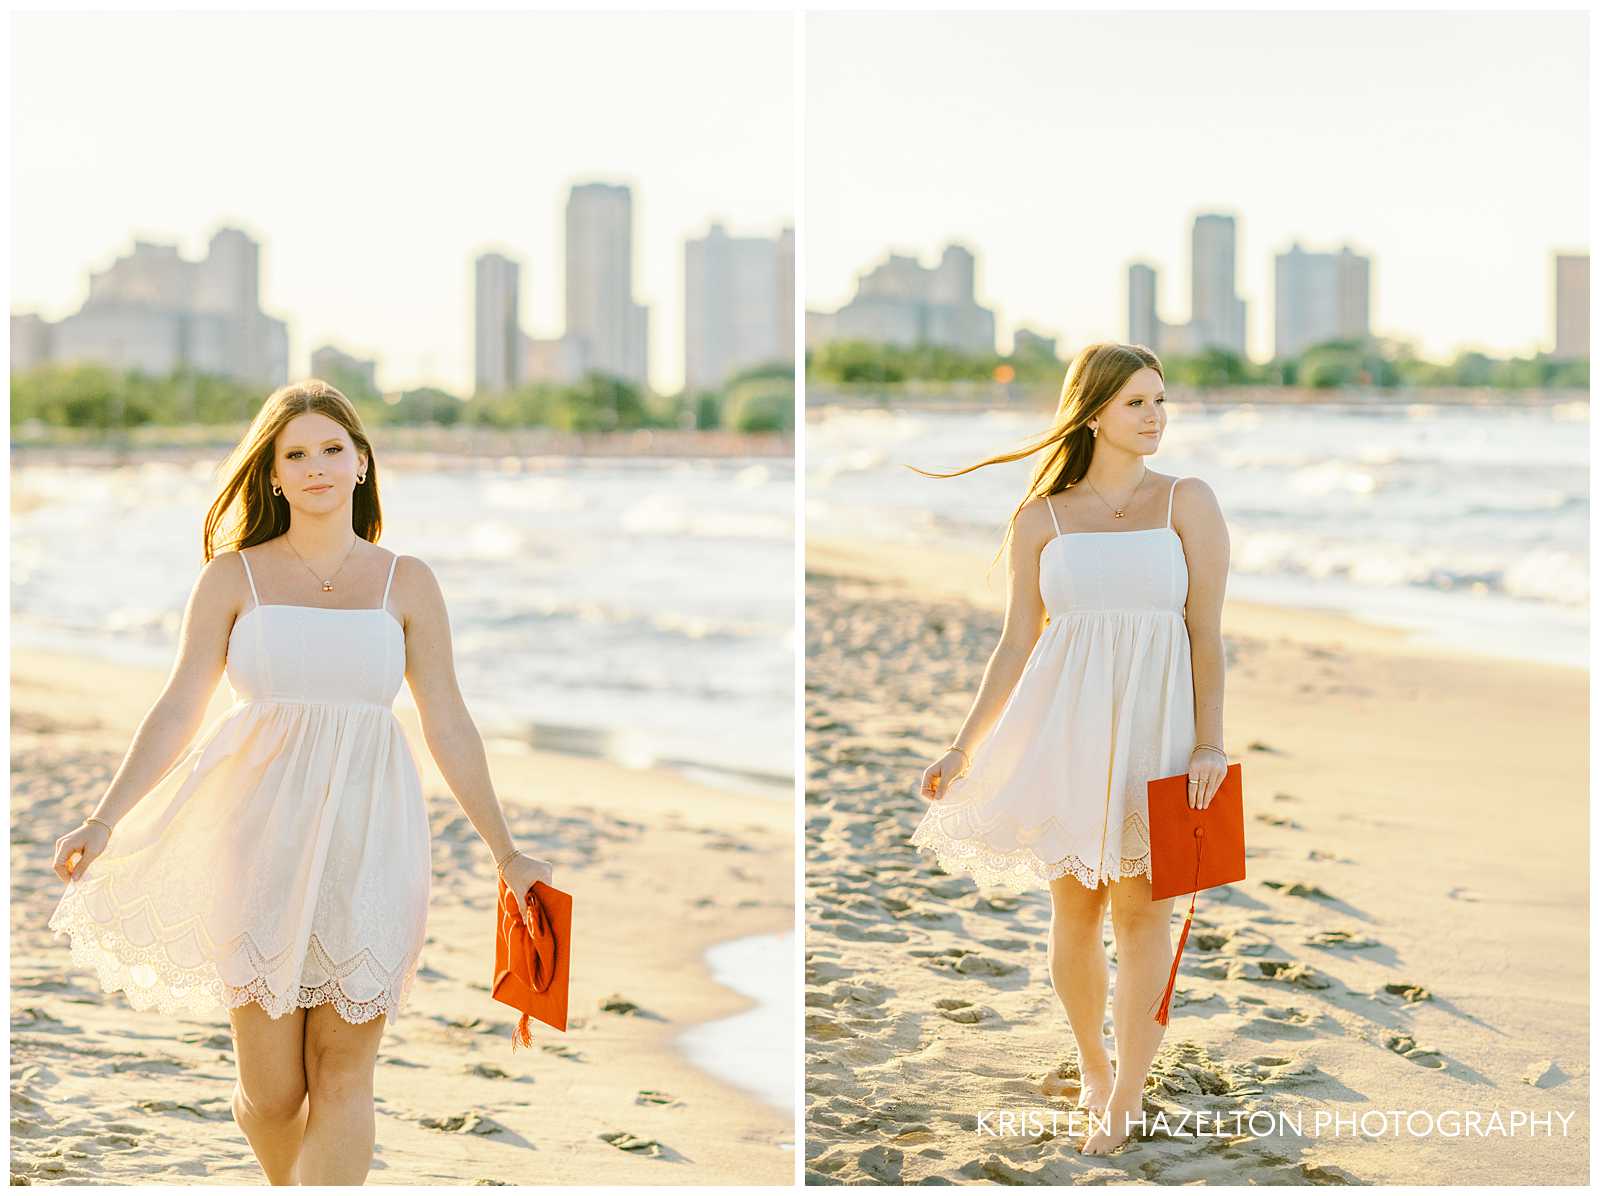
<point x="1358" y="241"/>
<point x="551" y="260"/>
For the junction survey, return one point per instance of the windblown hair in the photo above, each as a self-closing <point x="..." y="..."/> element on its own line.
<point x="1093" y="379"/>
<point x="258" y="514"/>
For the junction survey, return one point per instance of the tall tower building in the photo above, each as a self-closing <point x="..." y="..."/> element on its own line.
<point x="1572" y="305"/>
<point x="733" y="305"/>
<point x="1320" y="297"/>
<point x="612" y="329"/>
<point x="786" y="295"/>
<point x="1143" y="326"/>
<point x="1216" y="313"/>
<point x="496" y="334"/>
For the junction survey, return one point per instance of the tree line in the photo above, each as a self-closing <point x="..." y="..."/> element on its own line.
<point x="1330" y="365"/>
<point x="88" y="396"/>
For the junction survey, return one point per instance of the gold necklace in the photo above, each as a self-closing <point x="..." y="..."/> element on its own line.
<point x="1118" y="513"/>
<point x="327" y="582"/>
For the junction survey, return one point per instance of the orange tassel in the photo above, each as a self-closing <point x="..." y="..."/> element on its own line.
<point x="521" y="1035"/>
<point x="1172" y="977"/>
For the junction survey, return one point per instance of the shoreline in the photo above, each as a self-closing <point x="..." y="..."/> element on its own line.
<point x="413" y="447"/>
<point x="965" y="575"/>
<point x="1412" y="932"/>
<point x="448" y="1055"/>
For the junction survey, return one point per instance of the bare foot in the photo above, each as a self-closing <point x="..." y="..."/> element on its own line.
<point x="1111" y="1132"/>
<point x="1095" y="1092"/>
<point x="1093" y="1088"/>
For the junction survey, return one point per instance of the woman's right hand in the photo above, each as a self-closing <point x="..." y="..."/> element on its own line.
<point x="942" y="773"/>
<point x="89" y="839"/>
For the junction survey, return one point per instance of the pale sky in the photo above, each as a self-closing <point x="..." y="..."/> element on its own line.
<point x="1450" y="146"/>
<point x="374" y="154"/>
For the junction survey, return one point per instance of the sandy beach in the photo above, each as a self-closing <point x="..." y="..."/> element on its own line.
<point x="661" y="868"/>
<point x="1412" y="934"/>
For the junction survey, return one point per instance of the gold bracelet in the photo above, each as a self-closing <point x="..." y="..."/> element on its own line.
<point x="101" y="821"/>
<point x="963" y="751"/>
<point x="1213" y="747"/>
<point x="500" y="864"/>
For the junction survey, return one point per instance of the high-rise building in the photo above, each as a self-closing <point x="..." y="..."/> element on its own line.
<point x="902" y="302"/>
<point x="1027" y="343"/>
<point x="157" y="311"/>
<point x="496" y="333"/>
<point x="1320" y="297"/>
<point x="334" y="365"/>
<point x="1144" y="326"/>
<point x="1216" y="312"/>
<point x="734" y="304"/>
<point x="1572" y="305"/>
<point x="786" y="338"/>
<point x="612" y="330"/>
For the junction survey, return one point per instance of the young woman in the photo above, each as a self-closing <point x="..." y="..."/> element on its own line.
<point x="1108" y="674"/>
<point x="280" y="868"/>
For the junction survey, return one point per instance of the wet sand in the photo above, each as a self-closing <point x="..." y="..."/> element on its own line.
<point x="1412" y="934"/>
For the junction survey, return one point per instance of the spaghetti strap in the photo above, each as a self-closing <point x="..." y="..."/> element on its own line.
<point x="251" y="577"/>
<point x="1050" y="506"/>
<point x="1173" y="490"/>
<point x="393" y="561"/>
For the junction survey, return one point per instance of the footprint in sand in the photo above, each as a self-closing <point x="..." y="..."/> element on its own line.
<point x="1462" y="893"/>
<point x="1296" y="888"/>
<point x="1406" y="1046"/>
<point x="649" y="1096"/>
<point x="632" y="1143"/>
<point x="1280" y="1022"/>
<point x="1291" y="971"/>
<point x="956" y="1010"/>
<point x="463" y="1123"/>
<point x="1411" y="993"/>
<point x="1347" y="940"/>
<point x="1279" y="820"/>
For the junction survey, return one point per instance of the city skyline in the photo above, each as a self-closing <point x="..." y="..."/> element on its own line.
<point x="96" y="165"/>
<point x="1064" y="146"/>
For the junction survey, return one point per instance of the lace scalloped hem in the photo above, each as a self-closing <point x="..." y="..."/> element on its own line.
<point x="150" y="980"/>
<point x="1019" y="871"/>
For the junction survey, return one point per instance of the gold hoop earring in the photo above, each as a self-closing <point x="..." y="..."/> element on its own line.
<point x="360" y="478"/>
<point x="275" y="490"/>
<point x="1093" y="432"/>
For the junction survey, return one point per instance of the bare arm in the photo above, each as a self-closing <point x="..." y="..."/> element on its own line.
<point x="1197" y="516"/>
<point x="451" y="735"/>
<point x="1025" y="619"/>
<point x="173" y="719"/>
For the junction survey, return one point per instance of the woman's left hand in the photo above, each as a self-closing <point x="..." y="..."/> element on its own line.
<point x="1207" y="768"/>
<point x="522" y="872"/>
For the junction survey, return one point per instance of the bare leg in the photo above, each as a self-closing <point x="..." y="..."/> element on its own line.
<point x="269" y="1100"/>
<point x="1081" y="978"/>
<point x="1144" y="958"/>
<point x="341" y="1130"/>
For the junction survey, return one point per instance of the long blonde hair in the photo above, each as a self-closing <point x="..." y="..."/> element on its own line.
<point x="261" y="515"/>
<point x="1093" y="379"/>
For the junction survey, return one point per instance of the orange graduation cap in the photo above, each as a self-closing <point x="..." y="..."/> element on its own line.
<point x="1193" y="849"/>
<point x="531" y="957"/>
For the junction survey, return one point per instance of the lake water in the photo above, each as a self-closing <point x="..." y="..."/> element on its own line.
<point x="1468" y="525"/>
<point x="638" y="609"/>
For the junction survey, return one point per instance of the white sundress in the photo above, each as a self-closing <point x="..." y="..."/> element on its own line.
<point x="284" y="858"/>
<point x="1104" y="705"/>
